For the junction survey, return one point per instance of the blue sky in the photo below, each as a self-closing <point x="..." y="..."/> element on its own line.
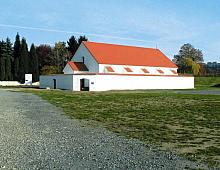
<point x="165" y="23"/>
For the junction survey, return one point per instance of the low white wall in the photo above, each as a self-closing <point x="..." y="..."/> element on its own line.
<point x="118" y="82"/>
<point x="9" y="83"/>
<point x="62" y="81"/>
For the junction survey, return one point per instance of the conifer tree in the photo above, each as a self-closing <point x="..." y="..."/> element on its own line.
<point x="8" y="58"/>
<point x="16" y="56"/>
<point x="34" y="66"/>
<point x="23" y="61"/>
<point x="3" y="56"/>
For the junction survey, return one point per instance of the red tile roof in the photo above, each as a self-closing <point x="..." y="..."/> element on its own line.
<point x="128" y="55"/>
<point x="78" y="66"/>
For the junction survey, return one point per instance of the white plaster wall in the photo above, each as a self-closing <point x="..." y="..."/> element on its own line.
<point x="62" y="81"/>
<point x="91" y="83"/>
<point x="114" y="82"/>
<point x="118" y="82"/>
<point x="67" y="69"/>
<point x="136" y="69"/>
<point x="89" y="61"/>
<point x="9" y="83"/>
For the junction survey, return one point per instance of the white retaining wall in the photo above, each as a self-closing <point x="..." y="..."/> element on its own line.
<point x="62" y="81"/>
<point x="115" y="82"/>
<point x="9" y="83"/>
<point x="118" y="82"/>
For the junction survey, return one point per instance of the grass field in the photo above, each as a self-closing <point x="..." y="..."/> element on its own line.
<point x="186" y="124"/>
<point x="206" y="82"/>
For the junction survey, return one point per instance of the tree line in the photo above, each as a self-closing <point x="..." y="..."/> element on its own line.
<point x="16" y="59"/>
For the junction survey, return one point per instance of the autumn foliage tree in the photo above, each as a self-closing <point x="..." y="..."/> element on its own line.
<point x="188" y="59"/>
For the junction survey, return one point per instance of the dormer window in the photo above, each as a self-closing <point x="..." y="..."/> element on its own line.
<point x="173" y="71"/>
<point x="128" y="69"/>
<point x="145" y="70"/>
<point x="109" y="69"/>
<point x="160" y="71"/>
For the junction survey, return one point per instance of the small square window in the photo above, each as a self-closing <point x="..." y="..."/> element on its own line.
<point x="109" y="69"/>
<point x="160" y="71"/>
<point x="145" y="70"/>
<point x="128" y="69"/>
<point x="174" y="71"/>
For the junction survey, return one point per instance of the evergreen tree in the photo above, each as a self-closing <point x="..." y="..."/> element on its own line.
<point x="34" y="66"/>
<point x="23" y="61"/>
<point x="3" y="56"/>
<point x="2" y="69"/>
<point x="8" y="60"/>
<point x="16" y="55"/>
<point x="72" y="45"/>
<point x="81" y="39"/>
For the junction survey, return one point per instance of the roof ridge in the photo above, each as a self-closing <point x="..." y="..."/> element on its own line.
<point x="122" y="45"/>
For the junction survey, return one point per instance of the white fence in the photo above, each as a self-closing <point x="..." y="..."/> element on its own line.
<point x="16" y="83"/>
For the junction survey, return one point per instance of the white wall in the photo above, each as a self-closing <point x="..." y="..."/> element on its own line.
<point x="91" y="83"/>
<point x="115" y="82"/>
<point x="89" y="61"/>
<point x="136" y="69"/>
<point x="118" y="82"/>
<point x="62" y="81"/>
<point x="9" y="83"/>
<point x="68" y="70"/>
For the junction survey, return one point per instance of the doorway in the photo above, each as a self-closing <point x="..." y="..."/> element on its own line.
<point x="84" y="84"/>
<point x="54" y="83"/>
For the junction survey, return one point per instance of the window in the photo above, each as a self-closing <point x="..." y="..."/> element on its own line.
<point x="174" y="71"/>
<point x="160" y="71"/>
<point x="128" y="69"/>
<point x="109" y="69"/>
<point x="145" y="70"/>
<point x="83" y="59"/>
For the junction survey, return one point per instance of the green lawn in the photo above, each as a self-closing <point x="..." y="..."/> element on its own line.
<point x="186" y="124"/>
<point x="206" y="82"/>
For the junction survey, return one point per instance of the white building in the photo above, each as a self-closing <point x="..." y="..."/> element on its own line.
<point x="102" y="67"/>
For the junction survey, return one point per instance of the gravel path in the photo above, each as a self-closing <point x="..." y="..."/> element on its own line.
<point x="36" y="135"/>
<point x="208" y="92"/>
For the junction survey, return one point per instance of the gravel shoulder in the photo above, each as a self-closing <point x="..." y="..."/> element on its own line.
<point x="207" y="92"/>
<point x="37" y="135"/>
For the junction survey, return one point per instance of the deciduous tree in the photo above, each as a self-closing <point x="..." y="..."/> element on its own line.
<point x="186" y="52"/>
<point x="44" y="53"/>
